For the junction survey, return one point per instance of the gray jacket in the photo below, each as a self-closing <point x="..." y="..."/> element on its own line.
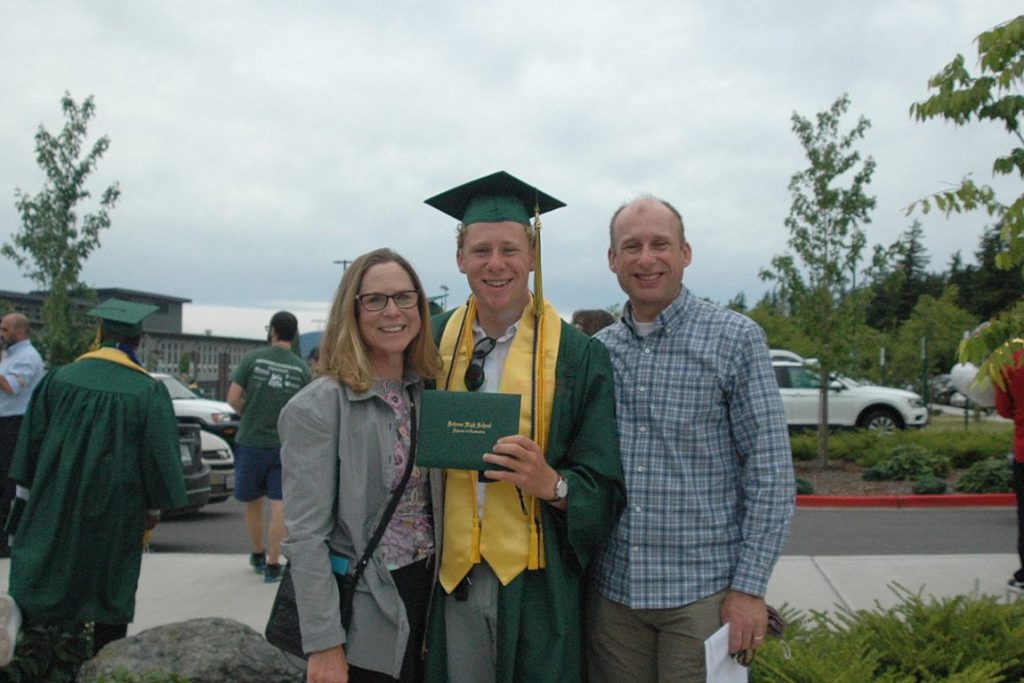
<point x="338" y="460"/>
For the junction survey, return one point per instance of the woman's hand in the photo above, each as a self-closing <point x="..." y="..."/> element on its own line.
<point x="327" y="666"/>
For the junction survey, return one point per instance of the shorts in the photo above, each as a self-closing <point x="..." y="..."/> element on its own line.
<point x="257" y="473"/>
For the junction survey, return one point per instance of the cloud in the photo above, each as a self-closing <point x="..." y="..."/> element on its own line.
<point x="258" y="142"/>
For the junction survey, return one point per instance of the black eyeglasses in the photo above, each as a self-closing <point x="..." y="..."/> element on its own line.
<point x="474" y="377"/>
<point x="374" y="301"/>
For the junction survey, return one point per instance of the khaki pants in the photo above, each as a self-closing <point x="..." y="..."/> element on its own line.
<point x="471" y="627"/>
<point x="649" y="645"/>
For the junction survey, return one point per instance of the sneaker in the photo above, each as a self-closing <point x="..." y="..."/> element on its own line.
<point x="1015" y="583"/>
<point x="258" y="562"/>
<point x="272" y="573"/>
<point x="10" y="624"/>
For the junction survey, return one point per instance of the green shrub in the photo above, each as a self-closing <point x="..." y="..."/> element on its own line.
<point x="929" y="485"/>
<point x="964" y="448"/>
<point x="804" y="487"/>
<point x="952" y="639"/>
<point x="804" y="445"/>
<point x="875" y="473"/>
<point x="987" y="476"/>
<point x="910" y="461"/>
<point x="961" y="447"/>
<point x="51" y="653"/>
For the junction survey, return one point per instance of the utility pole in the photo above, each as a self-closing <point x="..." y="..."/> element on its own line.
<point x="345" y="263"/>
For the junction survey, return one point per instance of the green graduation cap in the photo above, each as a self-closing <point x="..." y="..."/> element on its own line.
<point x="500" y="197"/>
<point x="123" y="317"/>
<point x="494" y="198"/>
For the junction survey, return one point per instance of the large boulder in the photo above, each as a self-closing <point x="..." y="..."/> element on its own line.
<point x="209" y="650"/>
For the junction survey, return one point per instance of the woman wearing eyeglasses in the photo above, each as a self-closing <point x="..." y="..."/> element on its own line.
<point x="348" y="442"/>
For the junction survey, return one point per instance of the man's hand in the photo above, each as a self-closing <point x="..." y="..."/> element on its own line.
<point x="151" y="520"/>
<point x="530" y="471"/>
<point x="327" y="666"/>
<point x="747" y="616"/>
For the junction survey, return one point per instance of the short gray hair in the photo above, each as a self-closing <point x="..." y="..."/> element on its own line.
<point x="647" y="199"/>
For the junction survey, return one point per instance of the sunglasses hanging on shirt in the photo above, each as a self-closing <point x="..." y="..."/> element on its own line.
<point x="474" y="377"/>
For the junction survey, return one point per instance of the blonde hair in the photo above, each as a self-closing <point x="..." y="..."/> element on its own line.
<point x="343" y="353"/>
<point x="462" y="228"/>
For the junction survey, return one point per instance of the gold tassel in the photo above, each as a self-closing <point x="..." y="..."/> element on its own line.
<point x="534" y="561"/>
<point x="475" y="546"/>
<point x="538" y="290"/>
<point x="536" y="558"/>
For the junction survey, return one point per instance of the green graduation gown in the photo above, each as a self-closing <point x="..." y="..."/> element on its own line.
<point x="540" y="629"/>
<point x="98" y="447"/>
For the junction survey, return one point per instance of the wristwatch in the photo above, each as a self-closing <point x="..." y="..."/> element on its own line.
<point x="561" y="489"/>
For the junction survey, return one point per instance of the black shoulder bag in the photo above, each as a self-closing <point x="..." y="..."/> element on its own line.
<point x="283" y="625"/>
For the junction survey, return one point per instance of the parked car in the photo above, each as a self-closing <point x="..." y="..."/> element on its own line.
<point x="197" y="472"/>
<point x="941" y="388"/>
<point x="217" y="454"/>
<point x="850" y="403"/>
<point x="784" y="354"/>
<point x="213" y="416"/>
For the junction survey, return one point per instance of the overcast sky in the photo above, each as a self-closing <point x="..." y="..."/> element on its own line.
<point x="255" y="143"/>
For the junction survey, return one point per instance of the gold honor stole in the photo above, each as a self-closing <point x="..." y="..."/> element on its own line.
<point x="114" y="356"/>
<point x="510" y="536"/>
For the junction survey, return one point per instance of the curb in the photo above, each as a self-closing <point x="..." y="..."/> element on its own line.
<point x="909" y="501"/>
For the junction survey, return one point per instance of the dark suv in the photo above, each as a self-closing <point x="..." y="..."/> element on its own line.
<point x="197" y="472"/>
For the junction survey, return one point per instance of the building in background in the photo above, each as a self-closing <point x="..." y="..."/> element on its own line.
<point x="210" y="359"/>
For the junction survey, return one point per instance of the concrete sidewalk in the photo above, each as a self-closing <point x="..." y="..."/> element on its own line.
<point x="180" y="586"/>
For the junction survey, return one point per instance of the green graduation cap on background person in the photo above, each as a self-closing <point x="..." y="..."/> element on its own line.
<point x="500" y="197"/>
<point x="121" y="317"/>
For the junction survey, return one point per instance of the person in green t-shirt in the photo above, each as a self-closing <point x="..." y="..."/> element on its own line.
<point x="261" y="385"/>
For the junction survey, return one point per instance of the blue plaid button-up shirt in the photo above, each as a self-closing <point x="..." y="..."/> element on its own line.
<point x="706" y="456"/>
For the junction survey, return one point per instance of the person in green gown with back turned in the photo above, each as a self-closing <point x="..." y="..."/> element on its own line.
<point x="99" y="455"/>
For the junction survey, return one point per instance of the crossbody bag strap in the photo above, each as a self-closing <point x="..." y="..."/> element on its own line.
<point x="395" y="498"/>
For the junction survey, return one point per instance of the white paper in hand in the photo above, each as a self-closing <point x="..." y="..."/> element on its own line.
<point x="721" y="667"/>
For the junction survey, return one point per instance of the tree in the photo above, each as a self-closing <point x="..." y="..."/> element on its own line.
<point x="738" y="303"/>
<point x="54" y="241"/>
<point x="826" y="241"/>
<point x="985" y="288"/>
<point x="781" y="330"/>
<point x="995" y="95"/>
<point x="897" y="290"/>
<point x="941" y="323"/>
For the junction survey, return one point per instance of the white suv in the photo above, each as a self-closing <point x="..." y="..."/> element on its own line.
<point x="850" y="403"/>
<point x="213" y="416"/>
<point x="219" y="424"/>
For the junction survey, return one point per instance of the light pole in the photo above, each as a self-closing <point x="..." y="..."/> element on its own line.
<point x="444" y="288"/>
<point x="345" y="263"/>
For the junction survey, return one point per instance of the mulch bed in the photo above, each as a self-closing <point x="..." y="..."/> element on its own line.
<point x="842" y="478"/>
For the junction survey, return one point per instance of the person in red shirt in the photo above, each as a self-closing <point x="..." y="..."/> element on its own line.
<point x="1010" y="404"/>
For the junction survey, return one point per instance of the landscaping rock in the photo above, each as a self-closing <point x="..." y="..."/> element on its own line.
<point x="209" y="650"/>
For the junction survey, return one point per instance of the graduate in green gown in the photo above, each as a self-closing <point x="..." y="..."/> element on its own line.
<point x="100" y="456"/>
<point x="509" y="605"/>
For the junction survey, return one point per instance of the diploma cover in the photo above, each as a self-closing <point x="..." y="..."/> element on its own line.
<point x="458" y="427"/>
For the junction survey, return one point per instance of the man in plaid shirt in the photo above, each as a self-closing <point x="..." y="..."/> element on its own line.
<point x="706" y="456"/>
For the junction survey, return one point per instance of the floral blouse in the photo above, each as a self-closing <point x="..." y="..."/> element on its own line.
<point x="409" y="536"/>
